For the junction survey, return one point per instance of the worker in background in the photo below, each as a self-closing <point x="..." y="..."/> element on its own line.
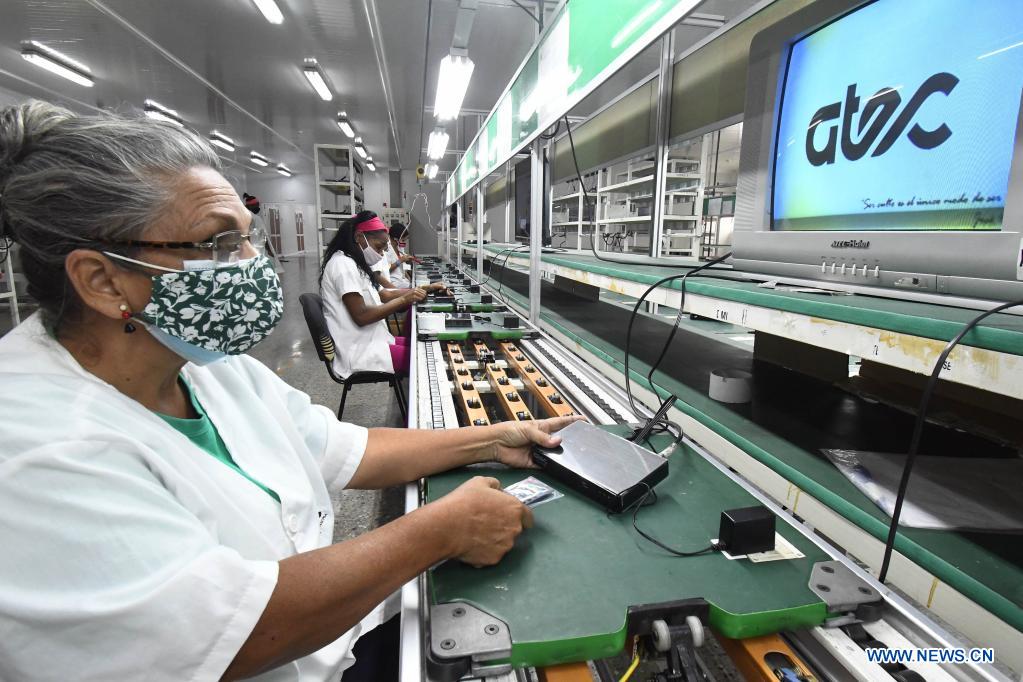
<point x="252" y="203"/>
<point x="165" y="498"/>
<point x="355" y="303"/>
<point x="395" y="260"/>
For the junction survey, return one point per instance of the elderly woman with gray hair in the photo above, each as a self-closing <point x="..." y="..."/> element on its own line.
<point x="164" y="498"/>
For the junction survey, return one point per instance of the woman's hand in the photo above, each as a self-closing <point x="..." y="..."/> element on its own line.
<point x="437" y="287"/>
<point x="414" y="295"/>
<point x="513" y="442"/>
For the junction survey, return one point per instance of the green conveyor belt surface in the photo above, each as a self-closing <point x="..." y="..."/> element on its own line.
<point x="564" y="588"/>
<point x="986" y="568"/>
<point x="999" y="332"/>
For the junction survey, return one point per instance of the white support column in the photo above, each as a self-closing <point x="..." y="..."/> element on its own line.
<point x="536" y="209"/>
<point x="661" y="138"/>
<point x="479" y="231"/>
<point x="458" y="233"/>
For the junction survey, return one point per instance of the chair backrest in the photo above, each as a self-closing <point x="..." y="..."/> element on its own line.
<point x="312" y="309"/>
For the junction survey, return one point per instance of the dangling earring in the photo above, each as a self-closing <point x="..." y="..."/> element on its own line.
<point x="126" y="315"/>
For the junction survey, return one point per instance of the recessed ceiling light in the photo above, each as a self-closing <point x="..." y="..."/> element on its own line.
<point x="56" y="62"/>
<point x="270" y="10"/>
<point x="345" y="125"/>
<point x="317" y="78"/>
<point x="158" y="112"/>
<point x="284" y="170"/>
<point x="222" y="141"/>
<point x="259" y="159"/>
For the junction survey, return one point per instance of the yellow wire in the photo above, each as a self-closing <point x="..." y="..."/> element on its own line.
<point x="632" y="669"/>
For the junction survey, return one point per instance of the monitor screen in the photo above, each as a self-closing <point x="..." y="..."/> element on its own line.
<point x="901" y="115"/>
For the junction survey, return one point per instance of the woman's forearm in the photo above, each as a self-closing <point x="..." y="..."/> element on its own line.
<point x="322" y="594"/>
<point x="395" y="456"/>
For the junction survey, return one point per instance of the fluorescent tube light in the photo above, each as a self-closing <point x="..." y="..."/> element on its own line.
<point x="370" y="165"/>
<point x="345" y="125"/>
<point x="56" y="62"/>
<point x="360" y="148"/>
<point x="259" y="159"/>
<point x="431" y="170"/>
<point x="438" y="144"/>
<point x="453" y="81"/>
<point x="222" y="141"/>
<point x="158" y="112"/>
<point x="284" y="170"/>
<point x="317" y="78"/>
<point x="270" y="10"/>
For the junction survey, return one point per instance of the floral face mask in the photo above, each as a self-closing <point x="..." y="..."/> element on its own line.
<point x="227" y="309"/>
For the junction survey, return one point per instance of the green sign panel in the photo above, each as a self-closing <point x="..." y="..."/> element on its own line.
<point x="585" y="43"/>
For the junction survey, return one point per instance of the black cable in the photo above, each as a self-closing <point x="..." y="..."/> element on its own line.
<point x="918" y="427"/>
<point x="678" y="317"/>
<point x="671" y="550"/>
<point x="526" y="10"/>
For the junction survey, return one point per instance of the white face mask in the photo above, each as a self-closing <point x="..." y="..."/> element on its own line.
<point x="371" y="255"/>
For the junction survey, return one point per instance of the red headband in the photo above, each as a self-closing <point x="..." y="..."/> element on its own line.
<point x="374" y="224"/>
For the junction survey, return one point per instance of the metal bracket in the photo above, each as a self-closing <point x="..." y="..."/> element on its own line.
<point x="840" y="588"/>
<point x="466" y="639"/>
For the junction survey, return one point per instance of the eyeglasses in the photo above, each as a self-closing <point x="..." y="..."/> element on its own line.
<point x="224" y="247"/>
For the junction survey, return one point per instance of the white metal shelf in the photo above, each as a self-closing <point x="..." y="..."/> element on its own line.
<point x="334" y="161"/>
<point x="627" y="219"/>
<point x="619" y="186"/>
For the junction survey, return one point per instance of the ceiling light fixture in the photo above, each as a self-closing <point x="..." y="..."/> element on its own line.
<point x="360" y="148"/>
<point x="431" y="170"/>
<point x="56" y="62"/>
<point x="259" y="159"/>
<point x="158" y="112"/>
<point x="317" y="78"/>
<point x="270" y="10"/>
<point x="438" y="144"/>
<point x="345" y="125"/>
<point x="222" y="141"/>
<point x="284" y="170"/>
<point x="370" y="165"/>
<point x="453" y="81"/>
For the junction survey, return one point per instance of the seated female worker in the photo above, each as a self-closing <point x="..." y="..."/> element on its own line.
<point x="165" y="498"/>
<point x="355" y="303"/>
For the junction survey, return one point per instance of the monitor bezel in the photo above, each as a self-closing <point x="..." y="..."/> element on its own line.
<point x="981" y="263"/>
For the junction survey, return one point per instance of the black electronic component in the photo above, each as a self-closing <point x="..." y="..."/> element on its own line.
<point x="512" y="396"/>
<point x="474" y="403"/>
<point x="604" y="467"/>
<point x="486" y="298"/>
<point x="474" y="288"/>
<point x="511" y="322"/>
<point x="747" y="530"/>
<point x="523" y="416"/>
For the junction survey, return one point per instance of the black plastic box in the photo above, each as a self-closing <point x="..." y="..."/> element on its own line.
<point x="747" y="530"/>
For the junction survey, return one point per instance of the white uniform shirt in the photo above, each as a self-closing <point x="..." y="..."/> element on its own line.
<point x="396" y="275"/>
<point x="126" y="551"/>
<point x="358" y="349"/>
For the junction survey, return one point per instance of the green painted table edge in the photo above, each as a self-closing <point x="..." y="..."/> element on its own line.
<point x="969" y="586"/>
<point x="918" y="319"/>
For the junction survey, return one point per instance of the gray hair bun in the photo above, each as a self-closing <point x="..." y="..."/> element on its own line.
<point x="77" y="182"/>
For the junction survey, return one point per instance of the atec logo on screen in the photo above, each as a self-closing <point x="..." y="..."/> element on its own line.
<point x="878" y="110"/>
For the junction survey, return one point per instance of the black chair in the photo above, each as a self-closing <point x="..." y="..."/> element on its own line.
<point x="312" y="309"/>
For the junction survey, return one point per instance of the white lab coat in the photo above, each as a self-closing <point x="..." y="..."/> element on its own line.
<point x="396" y="276"/>
<point x="127" y="552"/>
<point x="359" y="349"/>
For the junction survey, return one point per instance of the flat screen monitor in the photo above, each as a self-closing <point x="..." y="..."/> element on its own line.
<point x="882" y="146"/>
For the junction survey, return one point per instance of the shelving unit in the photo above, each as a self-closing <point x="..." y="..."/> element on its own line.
<point x="339" y="188"/>
<point x="8" y="289"/>
<point x="571" y="217"/>
<point x="624" y="194"/>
